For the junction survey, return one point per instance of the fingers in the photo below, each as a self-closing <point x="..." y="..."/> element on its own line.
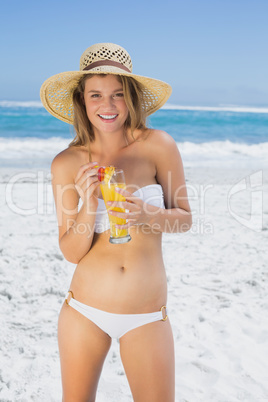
<point x="83" y="185"/>
<point x="127" y="194"/>
<point x="86" y="180"/>
<point x="92" y="173"/>
<point x="83" y="169"/>
<point x="85" y="172"/>
<point x="91" y="188"/>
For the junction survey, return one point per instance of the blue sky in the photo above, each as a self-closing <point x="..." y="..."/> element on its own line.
<point x="212" y="52"/>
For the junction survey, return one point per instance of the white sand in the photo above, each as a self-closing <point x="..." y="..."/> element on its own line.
<point x="217" y="299"/>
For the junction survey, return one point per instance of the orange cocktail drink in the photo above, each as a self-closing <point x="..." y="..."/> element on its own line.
<point x="111" y="178"/>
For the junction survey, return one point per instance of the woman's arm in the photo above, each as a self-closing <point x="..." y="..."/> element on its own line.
<point x="177" y="216"/>
<point x="76" y="229"/>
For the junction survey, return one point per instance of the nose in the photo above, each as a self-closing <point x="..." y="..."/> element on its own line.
<point x="108" y="102"/>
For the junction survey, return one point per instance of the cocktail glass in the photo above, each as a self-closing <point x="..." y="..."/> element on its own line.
<point x="113" y="178"/>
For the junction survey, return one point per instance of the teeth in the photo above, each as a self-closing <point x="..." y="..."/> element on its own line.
<point x="108" y="117"/>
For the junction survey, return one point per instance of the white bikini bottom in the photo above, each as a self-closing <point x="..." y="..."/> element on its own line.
<point x="115" y="325"/>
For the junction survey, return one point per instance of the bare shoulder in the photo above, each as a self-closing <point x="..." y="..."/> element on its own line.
<point x="165" y="154"/>
<point x="65" y="157"/>
<point x="169" y="169"/>
<point x="160" y="141"/>
<point x="69" y="160"/>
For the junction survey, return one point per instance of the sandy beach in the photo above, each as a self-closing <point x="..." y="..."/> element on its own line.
<point x="217" y="290"/>
<point x="198" y="71"/>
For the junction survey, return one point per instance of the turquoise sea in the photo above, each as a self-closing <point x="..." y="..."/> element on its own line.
<point x="30" y="136"/>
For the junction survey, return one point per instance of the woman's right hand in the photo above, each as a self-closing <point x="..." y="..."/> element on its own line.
<point x="86" y="182"/>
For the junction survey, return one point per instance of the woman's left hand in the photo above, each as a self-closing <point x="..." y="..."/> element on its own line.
<point x="139" y="211"/>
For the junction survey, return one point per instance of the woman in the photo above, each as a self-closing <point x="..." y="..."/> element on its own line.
<point x="117" y="290"/>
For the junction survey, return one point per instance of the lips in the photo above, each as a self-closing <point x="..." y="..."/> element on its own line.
<point x="107" y="117"/>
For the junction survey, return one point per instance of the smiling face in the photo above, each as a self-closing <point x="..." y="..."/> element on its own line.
<point x="105" y="104"/>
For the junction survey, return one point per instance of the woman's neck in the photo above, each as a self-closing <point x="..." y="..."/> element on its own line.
<point x="109" y="143"/>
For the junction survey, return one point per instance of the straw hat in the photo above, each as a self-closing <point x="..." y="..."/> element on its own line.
<point x="103" y="58"/>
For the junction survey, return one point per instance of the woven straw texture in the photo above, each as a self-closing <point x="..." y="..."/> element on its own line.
<point x="57" y="91"/>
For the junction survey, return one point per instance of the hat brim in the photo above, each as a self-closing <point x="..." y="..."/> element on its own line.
<point x="56" y="93"/>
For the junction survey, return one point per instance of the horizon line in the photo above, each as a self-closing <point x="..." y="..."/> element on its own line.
<point x="167" y="106"/>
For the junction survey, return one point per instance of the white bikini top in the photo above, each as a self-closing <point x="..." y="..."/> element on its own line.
<point x="151" y="194"/>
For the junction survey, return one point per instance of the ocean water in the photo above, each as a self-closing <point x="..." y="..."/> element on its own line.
<point x="31" y="137"/>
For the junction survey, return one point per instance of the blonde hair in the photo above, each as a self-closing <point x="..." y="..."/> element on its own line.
<point x="133" y="95"/>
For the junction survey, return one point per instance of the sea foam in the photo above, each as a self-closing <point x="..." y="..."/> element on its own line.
<point x="167" y="106"/>
<point x="29" y="152"/>
<point x="223" y="108"/>
<point x="35" y="104"/>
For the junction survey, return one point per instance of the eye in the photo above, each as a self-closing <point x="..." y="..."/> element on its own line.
<point x="119" y="95"/>
<point x="95" y="96"/>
